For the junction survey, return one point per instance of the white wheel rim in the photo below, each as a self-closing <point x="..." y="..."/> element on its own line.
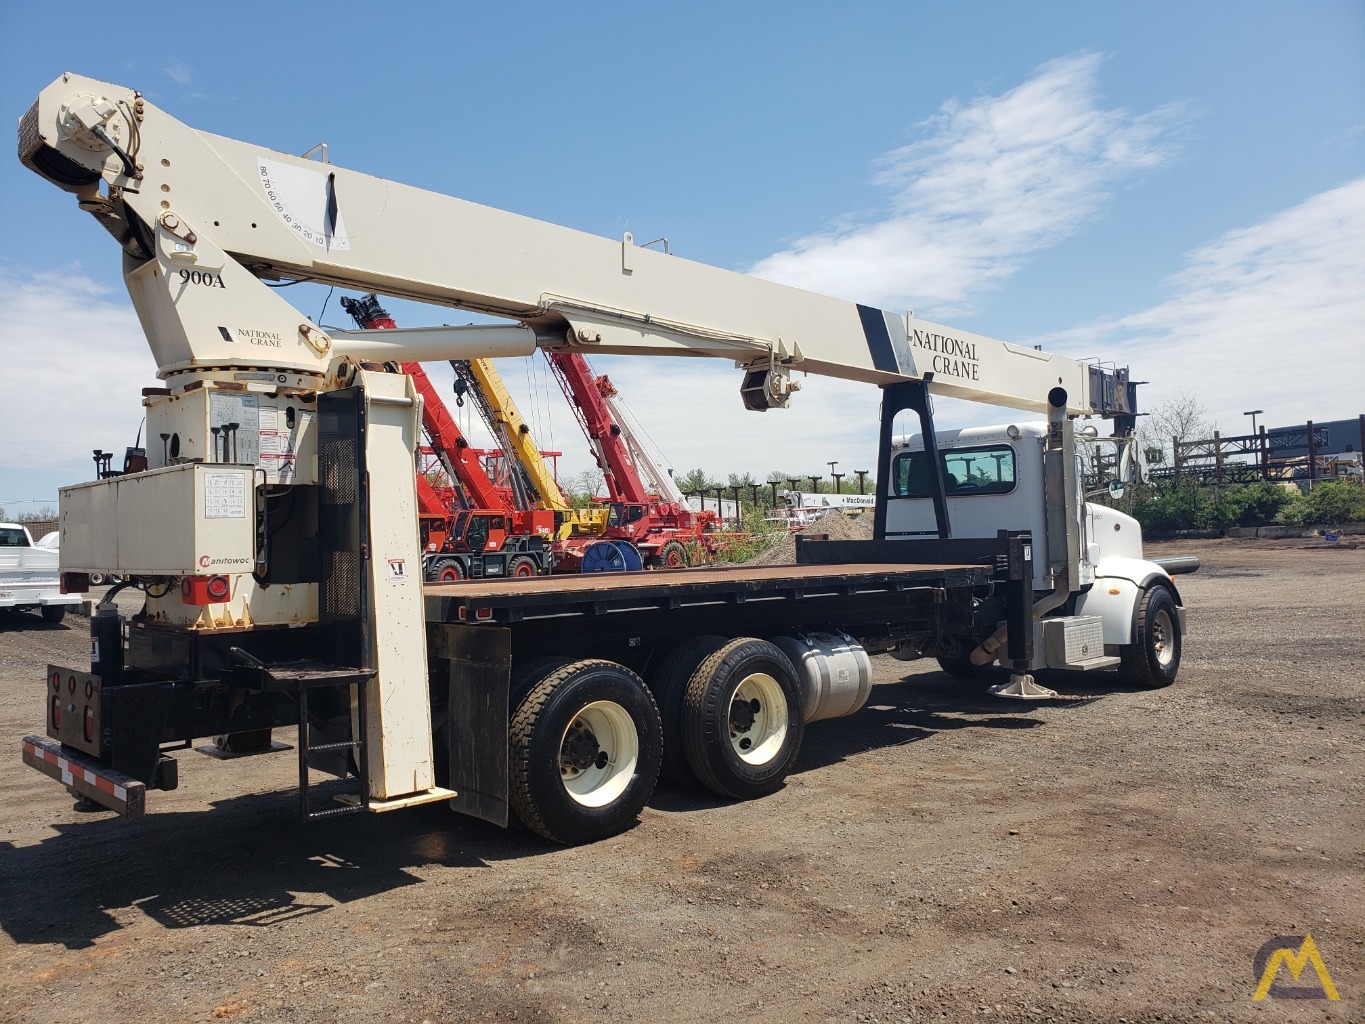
<point x="1163" y="638"/>
<point x="598" y="753"/>
<point x="758" y="718"/>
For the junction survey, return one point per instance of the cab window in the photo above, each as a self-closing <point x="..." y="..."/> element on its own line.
<point x="985" y="469"/>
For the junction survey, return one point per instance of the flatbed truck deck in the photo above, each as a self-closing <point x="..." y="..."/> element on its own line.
<point x="513" y="600"/>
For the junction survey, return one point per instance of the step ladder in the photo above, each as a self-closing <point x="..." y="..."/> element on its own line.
<point x="301" y="678"/>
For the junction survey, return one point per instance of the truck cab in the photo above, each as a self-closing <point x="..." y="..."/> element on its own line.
<point x="1091" y="557"/>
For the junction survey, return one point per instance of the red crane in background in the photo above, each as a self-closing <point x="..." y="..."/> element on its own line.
<point x="488" y="536"/>
<point x="660" y="529"/>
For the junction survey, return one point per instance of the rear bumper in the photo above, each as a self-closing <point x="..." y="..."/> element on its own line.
<point x="86" y="776"/>
<point x="19" y="599"/>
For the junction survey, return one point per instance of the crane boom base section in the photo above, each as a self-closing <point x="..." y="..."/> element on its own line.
<point x="275" y="530"/>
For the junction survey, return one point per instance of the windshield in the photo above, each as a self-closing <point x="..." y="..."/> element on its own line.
<point x="984" y="469"/>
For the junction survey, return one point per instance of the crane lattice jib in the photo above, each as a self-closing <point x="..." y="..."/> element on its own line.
<point x="648" y="459"/>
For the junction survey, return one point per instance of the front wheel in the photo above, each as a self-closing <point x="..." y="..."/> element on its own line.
<point x="1152" y="662"/>
<point x="585" y="749"/>
<point x="673" y="555"/>
<point x="447" y="570"/>
<point x="523" y="566"/>
<point x="742" y="720"/>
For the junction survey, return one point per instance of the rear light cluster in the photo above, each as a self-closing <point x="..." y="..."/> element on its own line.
<point x="205" y="589"/>
<point x="55" y="703"/>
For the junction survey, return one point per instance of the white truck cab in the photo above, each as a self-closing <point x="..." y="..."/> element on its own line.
<point x="1106" y="607"/>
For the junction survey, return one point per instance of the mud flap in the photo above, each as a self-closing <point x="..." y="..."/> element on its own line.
<point x="479" y="659"/>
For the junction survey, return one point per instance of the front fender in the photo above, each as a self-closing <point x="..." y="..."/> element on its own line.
<point x="1119" y="585"/>
<point x="1114" y="600"/>
<point x="1138" y="571"/>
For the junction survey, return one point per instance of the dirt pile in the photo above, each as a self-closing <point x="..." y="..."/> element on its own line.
<point x="835" y="525"/>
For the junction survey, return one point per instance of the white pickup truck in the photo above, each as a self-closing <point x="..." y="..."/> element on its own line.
<point x="29" y="577"/>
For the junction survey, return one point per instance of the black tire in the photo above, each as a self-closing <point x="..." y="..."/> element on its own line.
<point x="447" y="570"/>
<point x="555" y="745"/>
<point x="960" y="666"/>
<point x="668" y="685"/>
<point x="53" y="613"/>
<point x="716" y="726"/>
<point x="523" y="566"/>
<point x="1153" y="661"/>
<point x="673" y="555"/>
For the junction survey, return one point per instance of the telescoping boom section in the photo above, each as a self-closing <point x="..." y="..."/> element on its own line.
<point x="206" y="218"/>
<point x="274" y="530"/>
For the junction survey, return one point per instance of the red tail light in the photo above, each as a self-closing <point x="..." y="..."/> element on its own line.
<point x="205" y="589"/>
<point x="56" y="712"/>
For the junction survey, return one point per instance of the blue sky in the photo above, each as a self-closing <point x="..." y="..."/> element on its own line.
<point x="1178" y="187"/>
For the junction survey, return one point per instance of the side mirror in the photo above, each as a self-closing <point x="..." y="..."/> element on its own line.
<point x="1116" y="489"/>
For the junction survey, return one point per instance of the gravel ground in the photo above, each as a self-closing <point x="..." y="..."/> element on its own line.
<point x="944" y="855"/>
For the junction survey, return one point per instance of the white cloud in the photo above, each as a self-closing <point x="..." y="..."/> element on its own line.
<point x="1266" y="317"/>
<point x="988" y="183"/>
<point x="179" y="72"/>
<point x="75" y="363"/>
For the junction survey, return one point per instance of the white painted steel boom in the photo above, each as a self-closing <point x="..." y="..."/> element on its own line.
<point x="203" y="218"/>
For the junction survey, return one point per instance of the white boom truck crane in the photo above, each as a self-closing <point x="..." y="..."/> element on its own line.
<point x="274" y="531"/>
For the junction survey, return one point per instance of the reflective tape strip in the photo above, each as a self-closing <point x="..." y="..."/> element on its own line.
<point x="90" y="778"/>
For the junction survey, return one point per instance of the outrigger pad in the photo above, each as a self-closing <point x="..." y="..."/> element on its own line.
<point x="1022" y="687"/>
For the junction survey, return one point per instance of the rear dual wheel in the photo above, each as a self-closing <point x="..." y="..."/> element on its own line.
<point x="586" y="742"/>
<point x="733" y="719"/>
<point x="668" y="684"/>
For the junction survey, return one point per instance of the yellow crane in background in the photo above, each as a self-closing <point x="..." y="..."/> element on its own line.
<point x="485" y="386"/>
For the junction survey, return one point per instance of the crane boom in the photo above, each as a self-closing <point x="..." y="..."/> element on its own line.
<point x="648" y="459"/>
<point x="604" y="435"/>
<point x="514" y="434"/>
<point x="203" y="218"/>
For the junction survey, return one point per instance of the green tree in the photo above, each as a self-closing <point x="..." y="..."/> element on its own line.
<point x="694" y="481"/>
<point x="1328" y="504"/>
<point x="582" y="487"/>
